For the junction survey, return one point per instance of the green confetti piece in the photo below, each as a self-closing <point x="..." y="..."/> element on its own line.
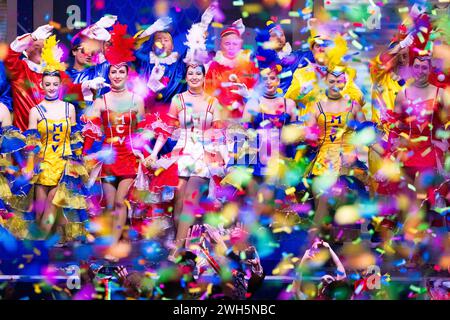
<point x="186" y="218"/>
<point x="421" y="38"/>
<point x="414" y="288"/>
<point x="305" y="197"/>
<point x="274" y="245"/>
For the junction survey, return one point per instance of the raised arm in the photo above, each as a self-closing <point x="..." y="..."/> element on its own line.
<point x="341" y="274"/>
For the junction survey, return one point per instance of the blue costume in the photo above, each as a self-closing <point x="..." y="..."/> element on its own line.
<point x="5" y="88"/>
<point x="175" y="70"/>
<point x="265" y="121"/>
<point x="288" y="59"/>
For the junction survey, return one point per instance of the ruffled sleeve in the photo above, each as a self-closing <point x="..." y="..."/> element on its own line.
<point x="93" y="129"/>
<point x="33" y="140"/>
<point x="11" y="140"/>
<point x="76" y="140"/>
<point x="162" y="124"/>
<point x="91" y="132"/>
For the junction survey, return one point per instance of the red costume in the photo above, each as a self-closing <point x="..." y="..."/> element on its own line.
<point x="218" y="76"/>
<point x="419" y="123"/>
<point x="119" y="129"/>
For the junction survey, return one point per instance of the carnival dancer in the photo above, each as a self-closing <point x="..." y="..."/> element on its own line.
<point x="116" y="115"/>
<point x="197" y="154"/>
<point x="335" y="116"/>
<point x="89" y="61"/>
<point x="419" y="112"/>
<point x="307" y="87"/>
<point x="12" y="141"/>
<point x="59" y="183"/>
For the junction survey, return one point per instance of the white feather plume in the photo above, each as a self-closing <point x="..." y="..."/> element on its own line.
<point x="196" y="43"/>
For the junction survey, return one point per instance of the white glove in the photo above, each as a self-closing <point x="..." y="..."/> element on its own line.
<point x="242" y="90"/>
<point x="106" y="22"/>
<point x="238" y="24"/>
<point x="97" y="83"/>
<point x="407" y="41"/>
<point x="209" y="14"/>
<point x="306" y="88"/>
<point x="96" y="32"/>
<point x="154" y="82"/>
<point x="157" y="72"/>
<point x="42" y="33"/>
<point x="159" y="25"/>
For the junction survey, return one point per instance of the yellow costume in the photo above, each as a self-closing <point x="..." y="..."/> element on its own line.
<point x="55" y="140"/>
<point x="334" y="144"/>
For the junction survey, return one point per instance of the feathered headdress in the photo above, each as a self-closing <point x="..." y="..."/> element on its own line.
<point x="196" y="38"/>
<point x="51" y="56"/>
<point x="121" y="50"/>
<point x="336" y="64"/>
<point x="336" y="53"/>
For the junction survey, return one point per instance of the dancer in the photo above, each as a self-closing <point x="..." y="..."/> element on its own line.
<point x="11" y="141"/>
<point x="334" y="115"/>
<point x="419" y="112"/>
<point x="307" y="87"/>
<point x="195" y="113"/>
<point x="266" y="113"/>
<point x="116" y="116"/>
<point x="161" y="67"/>
<point x="89" y="60"/>
<point x="60" y="180"/>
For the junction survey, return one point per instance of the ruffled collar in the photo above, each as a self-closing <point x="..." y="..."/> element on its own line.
<point x="287" y="50"/>
<point x="170" y="59"/>
<point x="231" y="63"/>
<point x="33" y="66"/>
